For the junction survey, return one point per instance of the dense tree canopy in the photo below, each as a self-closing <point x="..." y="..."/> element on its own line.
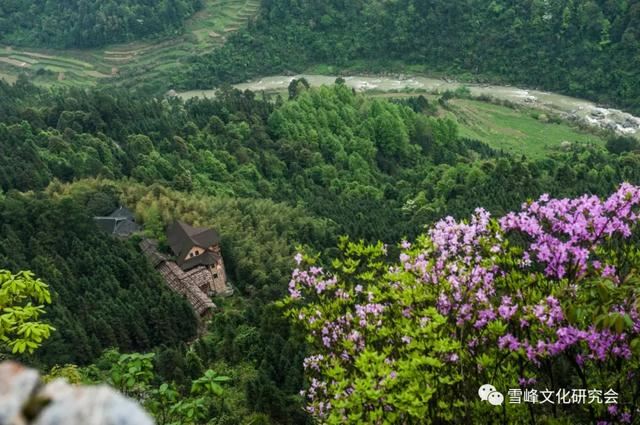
<point x="270" y="175"/>
<point x="89" y="23"/>
<point x="104" y="292"/>
<point x="377" y="169"/>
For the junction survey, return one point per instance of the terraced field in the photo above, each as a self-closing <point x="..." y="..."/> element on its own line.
<point x="131" y="63"/>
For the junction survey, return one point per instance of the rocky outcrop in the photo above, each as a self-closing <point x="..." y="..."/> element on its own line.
<point x="25" y="399"/>
<point x="607" y="119"/>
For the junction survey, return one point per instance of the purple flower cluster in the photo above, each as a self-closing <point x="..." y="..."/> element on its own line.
<point x="599" y="343"/>
<point x="499" y="292"/>
<point x="313" y="362"/>
<point x="548" y="312"/>
<point x="507" y="309"/>
<point x="565" y="231"/>
<point x="563" y="236"/>
<point x="309" y="279"/>
<point x="459" y="266"/>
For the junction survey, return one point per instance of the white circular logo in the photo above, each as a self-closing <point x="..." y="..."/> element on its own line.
<point x="495" y="398"/>
<point x="485" y="390"/>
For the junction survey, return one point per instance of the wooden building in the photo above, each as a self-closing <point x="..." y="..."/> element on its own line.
<point x="197" y="269"/>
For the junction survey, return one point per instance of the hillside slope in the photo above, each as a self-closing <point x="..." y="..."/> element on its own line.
<point x="587" y="48"/>
<point x="274" y="178"/>
<point x="148" y="62"/>
<point x="89" y="23"/>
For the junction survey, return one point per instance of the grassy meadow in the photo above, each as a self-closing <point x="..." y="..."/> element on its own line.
<point x="520" y="131"/>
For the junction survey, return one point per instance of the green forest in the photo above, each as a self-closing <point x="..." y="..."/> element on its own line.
<point x="385" y="261"/>
<point x="82" y="23"/>
<point x="583" y="48"/>
<point x="272" y="175"/>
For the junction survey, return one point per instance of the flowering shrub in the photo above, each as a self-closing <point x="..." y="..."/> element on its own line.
<point x="546" y="297"/>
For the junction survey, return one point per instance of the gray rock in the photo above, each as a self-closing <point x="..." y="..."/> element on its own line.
<point x="17" y="385"/>
<point x="611" y="125"/>
<point x="89" y="406"/>
<point x="59" y="403"/>
<point x="632" y="122"/>
<point x="619" y="117"/>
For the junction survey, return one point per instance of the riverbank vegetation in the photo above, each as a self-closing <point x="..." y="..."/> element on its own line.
<point x="506" y="126"/>
<point x="537" y="44"/>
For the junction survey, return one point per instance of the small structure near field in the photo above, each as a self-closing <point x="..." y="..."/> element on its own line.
<point x="197" y="268"/>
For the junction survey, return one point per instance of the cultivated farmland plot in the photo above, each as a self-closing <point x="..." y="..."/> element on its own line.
<point x="136" y="62"/>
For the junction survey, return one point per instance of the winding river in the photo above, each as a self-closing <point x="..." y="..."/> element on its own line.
<point x="579" y="110"/>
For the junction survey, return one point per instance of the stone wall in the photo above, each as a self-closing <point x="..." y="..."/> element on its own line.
<point x="26" y="400"/>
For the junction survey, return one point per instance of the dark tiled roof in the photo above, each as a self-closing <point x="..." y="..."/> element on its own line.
<point x="206" y="259"/>
<point x="126" y="227"/>
<point x="123" y="212"/>
<point x="177" y="280"/>
<point x="150" y="250"/>
<point x="182" y="237"/>
<point x="121" y="222"/>
<point x="187" y="283"/>
<point x="107" y="224"/>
